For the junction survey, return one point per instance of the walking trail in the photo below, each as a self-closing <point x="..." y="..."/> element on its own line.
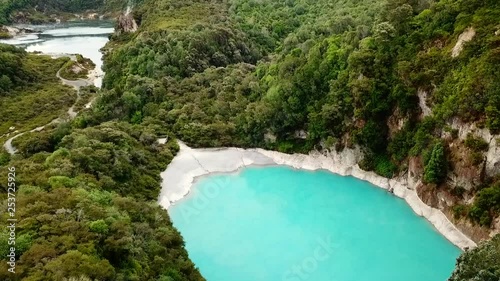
<point x="77" y="85"/>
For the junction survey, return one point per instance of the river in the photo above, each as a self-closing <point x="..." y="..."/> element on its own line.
<point x="79" y="37"/>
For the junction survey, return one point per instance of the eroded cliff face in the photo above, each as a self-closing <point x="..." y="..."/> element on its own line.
<point x="492" y="154"/>
<point x="471" y="167"/>
<point x="396" y="121"/>
<point x="126" y="24"/>
<point x="13" y="31"/>
<point x="468" y="172"/>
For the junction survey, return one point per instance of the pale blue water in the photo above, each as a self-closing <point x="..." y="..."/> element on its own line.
<point x="83" y="37"/>
<point x="277" y="223"/>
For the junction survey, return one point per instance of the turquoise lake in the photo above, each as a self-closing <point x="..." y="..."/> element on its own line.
<point x="276" y="223"/>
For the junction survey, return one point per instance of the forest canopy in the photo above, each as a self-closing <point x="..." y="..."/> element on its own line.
<point x="38" y="11"/>
<point x="286" y="75"/>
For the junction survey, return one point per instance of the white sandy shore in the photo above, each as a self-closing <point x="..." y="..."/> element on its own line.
<point x="190" y="163"/>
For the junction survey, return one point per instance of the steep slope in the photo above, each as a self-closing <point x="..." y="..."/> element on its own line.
<point x="413" y="83"/>
<point x="416" y="86"/>
<point x="482" y="263"/>
<point x="30" y="92"/>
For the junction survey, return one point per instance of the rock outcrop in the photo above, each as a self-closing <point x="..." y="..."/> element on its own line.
<point x="466" y="36"/>
<point x="14" y="31"/>
<point x="126" y="24"/>
<point x="396" y="122"/>
<point x="466" y="174"/>
<point x="492" y="155"/>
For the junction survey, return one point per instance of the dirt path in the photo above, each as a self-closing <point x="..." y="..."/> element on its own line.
<point x="76" y="84"/>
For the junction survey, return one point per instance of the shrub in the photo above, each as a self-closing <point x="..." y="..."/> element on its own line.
<point x="486" y="205"/>
<point x="435" y="169"/>
<point x="380" y="164"/>
<point x="476" y="144"/>
<point x="459" y="211"/>
<point x="99" y="226"/>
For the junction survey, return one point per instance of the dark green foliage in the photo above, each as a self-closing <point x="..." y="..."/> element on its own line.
<point x="4" y="158"/>
<point x="436" y="167"/>
<point x="178" y="45"/>
<point x="476" y="143"/>
<point x="329" y="75"/>
<point x="30" y="92"/>
<point x="39" y="11"/>
<point x="424" y="136"/>
<point x="478" y="146"/>
<point x="480" y="264"/>
<point x="71" y="6"/>
<point x="11" y="58"/>
<point x="486" y="205"/>
<point x="89" y="207"/>
<point x="242" y="73"/>
<point x="401" y="144"/>
<point x="380" y="164"/>
<point x="459" y="211"/>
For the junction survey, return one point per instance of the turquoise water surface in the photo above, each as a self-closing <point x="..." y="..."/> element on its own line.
<point x="276" y="223"/>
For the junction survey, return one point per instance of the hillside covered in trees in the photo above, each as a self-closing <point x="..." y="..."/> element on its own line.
<point x="395" y="78"/>
<point x="30" y="92"/>
<point x="86" y="206"/>
<point x="40" y="11"/>
<point x="414" y="83"/>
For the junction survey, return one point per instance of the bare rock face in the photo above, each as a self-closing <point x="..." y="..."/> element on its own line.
<point x="301" y="134"/>
<point x="13" y="31"/>
<point x="396" y="122"/>
<point x="422" y="102"/>
<point x="270" y="137"/>
<point x="415" y="171"/>
<point x="492" y="155"/>
<point x="20" y="18"/>
<point x="470" y="229"/>
<point x="464" y="174"/>
<point x="126" y="24"/>
<point x="465" y="37"/>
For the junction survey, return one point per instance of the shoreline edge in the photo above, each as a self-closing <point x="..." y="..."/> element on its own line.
<point x="189" y="164"/>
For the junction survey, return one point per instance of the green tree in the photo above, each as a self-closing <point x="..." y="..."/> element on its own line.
<point x="479" y="264"/>
<point x="436" y="168"/>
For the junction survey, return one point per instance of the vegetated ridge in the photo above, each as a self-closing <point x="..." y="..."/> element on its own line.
<point x="405" y="80"/>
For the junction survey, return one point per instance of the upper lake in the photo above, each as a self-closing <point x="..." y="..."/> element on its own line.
<point x="83" y="37"/>
<point x="277" y="223"/>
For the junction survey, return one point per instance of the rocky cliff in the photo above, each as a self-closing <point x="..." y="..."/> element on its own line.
<point x="473" y="156"/>
<point x="126" y="23"/>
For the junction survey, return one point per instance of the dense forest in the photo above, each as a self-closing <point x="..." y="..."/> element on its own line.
<point x="291" y="75"/>
<point x="330" y="74"/>
<point x="30" y="92"/>
<point x="87" y="208"/>
<point x="40" y="11"/>
<point x="86" y="196"/>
